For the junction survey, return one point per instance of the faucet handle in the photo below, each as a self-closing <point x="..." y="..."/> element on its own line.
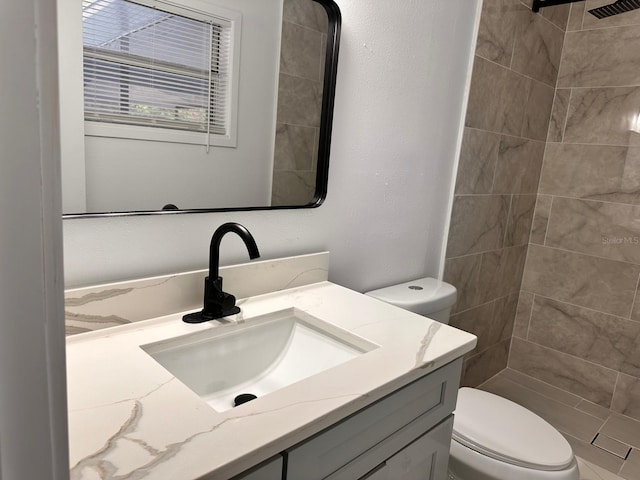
<point x="217" y="303"/>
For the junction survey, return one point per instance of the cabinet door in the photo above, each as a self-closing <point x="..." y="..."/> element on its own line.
<point x="354" y="446"/>
<point x="424" y="459"/>
<point x="269" y="470"/>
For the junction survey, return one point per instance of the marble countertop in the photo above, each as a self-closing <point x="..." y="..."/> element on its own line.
<point x="129" y="418"/>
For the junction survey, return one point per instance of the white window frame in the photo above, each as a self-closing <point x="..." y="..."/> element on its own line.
<point x="197" y="10"/>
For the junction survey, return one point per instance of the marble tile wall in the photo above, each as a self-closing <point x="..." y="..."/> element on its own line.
<point x="577" y="323"/>
<point x="511" y="99"/>
<point x="302" y="57"/>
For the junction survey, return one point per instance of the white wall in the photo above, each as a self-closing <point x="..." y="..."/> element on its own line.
<point x="402" y="79"/>
<point x="147" y="175"/>
<point x="33" y="419"/>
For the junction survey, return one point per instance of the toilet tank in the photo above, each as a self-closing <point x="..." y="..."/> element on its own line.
<point x="426" y="296"/>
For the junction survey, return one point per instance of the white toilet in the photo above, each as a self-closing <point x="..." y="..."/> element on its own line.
<point x="493" y="438"/>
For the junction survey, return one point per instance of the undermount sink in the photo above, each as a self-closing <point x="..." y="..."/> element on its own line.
<point x="258" y="356"/>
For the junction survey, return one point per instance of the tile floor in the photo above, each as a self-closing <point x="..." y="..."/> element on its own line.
<point x="607" y="443"/>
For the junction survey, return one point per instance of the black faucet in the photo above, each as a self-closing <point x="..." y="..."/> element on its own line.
<point x="218" y="304"/>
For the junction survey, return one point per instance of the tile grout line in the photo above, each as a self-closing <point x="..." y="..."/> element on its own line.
<point x="509" y="69"/>
<point x="533" y="301"/>
<point x="575" y="252"/>
<point x="583" y="307"/>
<point x="546" y="230"/>
<point x="566" y="115"/>
<point x="635" y="296"/>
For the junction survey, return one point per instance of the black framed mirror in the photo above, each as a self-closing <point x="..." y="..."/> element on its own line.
<point x="275" y="156"/>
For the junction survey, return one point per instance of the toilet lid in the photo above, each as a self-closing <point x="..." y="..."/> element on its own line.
<point x="505" y="431"/>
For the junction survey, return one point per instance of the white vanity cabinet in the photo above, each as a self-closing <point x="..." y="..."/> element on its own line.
<point x="405" y="435"/>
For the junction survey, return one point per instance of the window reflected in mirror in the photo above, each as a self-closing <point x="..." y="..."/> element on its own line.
<point x="198" y="104"/>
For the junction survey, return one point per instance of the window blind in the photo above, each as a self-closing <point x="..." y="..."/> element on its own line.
<point x="154" y="67"/>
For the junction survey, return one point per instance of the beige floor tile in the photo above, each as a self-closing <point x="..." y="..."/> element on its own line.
<point x="565" y="418"/>
<point x="589" y="471"/>
<point x="611" y="445"/>
<point x="593" y="409"/>
<point x="623" y="429"/>
<point x="595" y="455"/>
<point x="631" y="468"/>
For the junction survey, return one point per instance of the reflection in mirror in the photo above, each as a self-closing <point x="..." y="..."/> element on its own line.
<point x="195" y="105"/>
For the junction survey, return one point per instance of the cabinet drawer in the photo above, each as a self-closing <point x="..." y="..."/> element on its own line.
<point x="431" y="398"/>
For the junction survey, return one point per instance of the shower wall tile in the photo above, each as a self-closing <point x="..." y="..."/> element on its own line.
<point x="505" y="316"/>
<point x="601" y="58"/>
<point x="600" y="338"/>
<point x="485" y="111"/>
<point x="515" y="98"/>
<point x="574" y="375"/>
<point x="523" y="315"/>
<point x="558" y="14"/>
<point x="605" y="285"/>
<point x="478" y="224"/>
<point x="479" y="368"/>
<point x="463" y="273"/>
<point x="586" y="171"/>
<point x="603" y="116"/>
<point x="559" y="115"/>
<point x="492" y="322"/>
<point x="626" y="398"/>
<point x="507" y="120"/>
<point x="294" y="147"/>
<point x="499" y="23"/>
<point x="541" y="219"/>
<point x="497" y="99"/>
<point x="307" y="14"/>
<point x="575" y="16"/>
<point x="542" y="388"/>
<point x="293" y="188"/>
<point x="478" y="321"/>
<point x="304" y="41"/>
<point x="537" y="111"/>
<point x="519" y="165"/>
<point x="519" y="221"/>
<point x="538" y="49"/>
<point x="300" y="51"/>
<point x="590" y="21"/>
<point x="635" y="311"/>
<point x="478" y="158"/>
<point x="596" y="228"/>
<point x="299" y="101"/>
<point x="501" y="272"/>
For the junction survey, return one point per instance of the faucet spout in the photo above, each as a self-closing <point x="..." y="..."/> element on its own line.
<point x="214" y="247"/>
<point x="218" y="303"/>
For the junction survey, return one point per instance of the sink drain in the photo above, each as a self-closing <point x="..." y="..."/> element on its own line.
<point x="243" y="398"/>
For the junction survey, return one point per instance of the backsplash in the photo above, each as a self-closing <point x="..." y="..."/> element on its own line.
<point x="103" y="306"/>
<point x="578" y="325"/>
<point x="512" y="90"/>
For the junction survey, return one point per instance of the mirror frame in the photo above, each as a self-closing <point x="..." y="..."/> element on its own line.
<point x="324" y="144"/>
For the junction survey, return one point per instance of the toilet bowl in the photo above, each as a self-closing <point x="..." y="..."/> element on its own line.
<point x="493" y="438"/>
<point x="497" y="439"/>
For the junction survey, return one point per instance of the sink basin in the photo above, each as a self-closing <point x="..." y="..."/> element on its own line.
<point x="256" y="357"/>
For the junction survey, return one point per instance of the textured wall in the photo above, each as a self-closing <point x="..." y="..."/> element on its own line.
<point x="578" y="324"/>
<point x="512" y="90"/>
<point x="396" y="129"/>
